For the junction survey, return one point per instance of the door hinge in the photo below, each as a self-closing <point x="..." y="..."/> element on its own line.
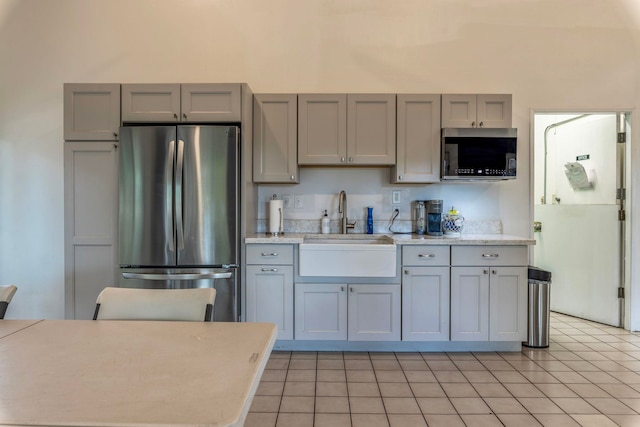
<point x="621" y="215"/>
<point x="620" y="292"/>
<point x="621" y="194"/>
<point x="622" y="137"/>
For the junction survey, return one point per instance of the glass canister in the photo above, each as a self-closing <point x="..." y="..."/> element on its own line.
<point x="421" y="217"/>
<point x="452" y="222"/>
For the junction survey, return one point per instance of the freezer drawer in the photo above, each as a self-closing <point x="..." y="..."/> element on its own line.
<point x="224" y="281"/>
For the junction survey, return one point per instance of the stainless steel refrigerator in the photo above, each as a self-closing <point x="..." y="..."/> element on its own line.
<point x="179" y="210"/>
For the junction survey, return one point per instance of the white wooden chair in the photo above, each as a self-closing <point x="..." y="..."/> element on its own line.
<point x="195" y="305"/>
<point x="6" y="293"/>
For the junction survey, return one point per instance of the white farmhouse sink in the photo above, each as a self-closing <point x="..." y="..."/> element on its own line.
<point x="347" y="256"/>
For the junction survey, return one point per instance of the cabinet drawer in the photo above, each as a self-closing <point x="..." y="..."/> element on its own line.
<point x="425" y="255"/>
<point x="270" y="254"/>
<point x="489" y="255"/>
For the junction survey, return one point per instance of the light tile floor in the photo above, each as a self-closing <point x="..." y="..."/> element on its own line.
<point x="589" y="376"/>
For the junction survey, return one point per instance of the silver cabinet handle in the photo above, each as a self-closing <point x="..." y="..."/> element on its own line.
<point x="473" y="124"/>
<point x="399" y="177"/>
<point x="493" y="272"/>
<point x="350" y="289"/>
<point x="342" y="159"/>
<point x="407" y="272"/>
<point x="184" y="116"/>
<point x="270" y="269"/>
<point x="490" y="255"/>
<point x="485" y="271"/>
<point x="350" y="159"/>
<point x="426" y="255"/>
<point x="341" y="288"/>
<point x="176" y="276"/>
<point x="292" y="177"/>
<point x="115" y="135"/>
<point x="175" y="116"/>
<point x="267" y="254"/>
<point x="481" y="124"/>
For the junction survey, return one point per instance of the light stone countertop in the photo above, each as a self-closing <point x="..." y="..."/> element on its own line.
<point x="399" y="239"/>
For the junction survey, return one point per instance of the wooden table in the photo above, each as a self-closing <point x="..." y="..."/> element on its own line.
<point x="133" y="373"/>
<point x="8" y="327"/>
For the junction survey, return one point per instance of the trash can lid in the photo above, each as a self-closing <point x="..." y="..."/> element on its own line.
<point x="539" y="274"/>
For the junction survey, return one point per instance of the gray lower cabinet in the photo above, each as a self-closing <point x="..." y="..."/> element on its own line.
<point x="417" y="140"/>
<point x="269" y="286"/>
<point x="207" y="102"/>
<point x="275" y="125"/>
<point x="354" y="312"/>
<point x="320" y="311"/>
<point x="91" y="202"/>
<point x="425" y="293"/>
<point x="91" y="111"/>
<point x="488" y="293"/>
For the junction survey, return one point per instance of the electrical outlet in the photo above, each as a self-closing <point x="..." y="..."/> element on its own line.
<point x="396" y="197"/>
<point x="286" y="201"/>
<point x="298" y="202"/>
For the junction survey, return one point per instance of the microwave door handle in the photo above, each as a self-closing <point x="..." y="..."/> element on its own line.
<point x="179" y="204"/>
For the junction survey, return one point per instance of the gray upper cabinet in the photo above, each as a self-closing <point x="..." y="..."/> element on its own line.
<point x="219" y="102"/>
<point x="91" y="111"/>
<point x="275" y="131"/>
<point x="471" y="111"/>
<point x="322" y="129"/>
<point x="418" y="139"/>
<point x="215" y="102"/>
<point x="371" y="129"/>
<point x="349" y="130"/>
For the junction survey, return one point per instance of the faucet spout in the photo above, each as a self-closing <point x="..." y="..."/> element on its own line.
<point x="342" y="210"/>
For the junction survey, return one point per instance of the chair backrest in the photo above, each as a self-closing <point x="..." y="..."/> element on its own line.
<point x="6" y="293"/>
<point x="155" y="304"/>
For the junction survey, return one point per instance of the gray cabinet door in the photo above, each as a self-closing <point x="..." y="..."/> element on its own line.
<point x="150" y="102"/>
<point x="476" y="111"/>
<point x="322" y="129"/>
<point x="275" y="130"/>
<point x="215" y="102"/>
<point x="91" y="111"/>
<point x="373" y="313"/>
<point x="469" y="303"/>
<point x="418" y="139"/>
<point x="270" y="297"/>
<point x="494" y="111"/>
<point x="459" y="111"/>
<point x="508" y="304"/>
<point x="371" y="129"/>
<point x="425" y="304"/>
<point x="320" y="311"/>
<point x="90" y="224"/>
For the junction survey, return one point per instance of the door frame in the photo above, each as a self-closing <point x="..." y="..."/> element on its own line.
<point x="631" y="307"/>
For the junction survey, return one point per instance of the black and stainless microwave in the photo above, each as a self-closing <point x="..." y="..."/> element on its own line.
<point x="478" y="154"/>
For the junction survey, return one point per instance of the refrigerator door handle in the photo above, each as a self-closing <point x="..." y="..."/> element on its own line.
<point x="177" y="276"/>
<point x="178" y="199"/>
<point x="169" y="225"/>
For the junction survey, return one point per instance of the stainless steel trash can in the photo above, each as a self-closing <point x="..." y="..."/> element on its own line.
<point x="538" y="308"/>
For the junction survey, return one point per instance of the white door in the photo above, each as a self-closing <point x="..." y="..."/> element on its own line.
<point x="578" y="176"/>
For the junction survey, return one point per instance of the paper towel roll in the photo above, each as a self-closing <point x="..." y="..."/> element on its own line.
<point x="276" y="220"/>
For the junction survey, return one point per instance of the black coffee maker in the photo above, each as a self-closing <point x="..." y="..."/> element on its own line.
<point x="434" y="217"/>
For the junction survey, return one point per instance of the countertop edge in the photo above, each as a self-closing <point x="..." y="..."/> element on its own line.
<point x="400" y="239"/>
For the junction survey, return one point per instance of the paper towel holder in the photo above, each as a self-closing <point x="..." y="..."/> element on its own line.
<point x="276" y="220"/>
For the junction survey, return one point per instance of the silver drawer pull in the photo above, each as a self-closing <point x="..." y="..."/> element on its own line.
<point x="269" y="254"/>
<point x="270" y="269"/>
<point x="426" y="255"/>
<point x="490" y="255"/>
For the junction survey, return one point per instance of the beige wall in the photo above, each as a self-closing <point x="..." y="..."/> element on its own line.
<point x="558" y="54"/>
